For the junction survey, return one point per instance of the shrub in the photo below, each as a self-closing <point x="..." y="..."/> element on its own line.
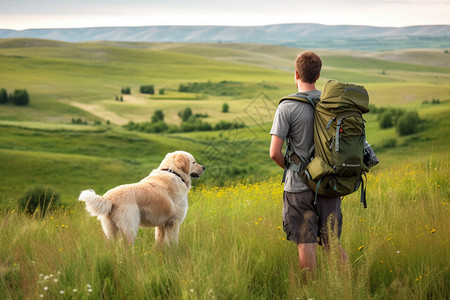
<point x="20" y="97"/>
<point x="408" y="123"/>
<point x="388" y="143"/>
<point x="386" y="120"/>
<point x="126" y="91"/>
<point x="225" y="107"/>
<point x="3" y="96"/>
<point x="38" y="199"/>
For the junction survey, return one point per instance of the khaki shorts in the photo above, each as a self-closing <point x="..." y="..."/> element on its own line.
<point x="305" y="222"/>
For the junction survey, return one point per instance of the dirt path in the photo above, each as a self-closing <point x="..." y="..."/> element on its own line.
<point x="100" y="112"/>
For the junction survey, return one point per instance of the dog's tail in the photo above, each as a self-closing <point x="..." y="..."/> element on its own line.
<point x="95" y="204"/>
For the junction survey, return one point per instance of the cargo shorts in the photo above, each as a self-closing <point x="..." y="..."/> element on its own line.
<point x="306" y="222"/>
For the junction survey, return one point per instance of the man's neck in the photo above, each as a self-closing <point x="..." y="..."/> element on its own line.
<point x="306" y="87"/>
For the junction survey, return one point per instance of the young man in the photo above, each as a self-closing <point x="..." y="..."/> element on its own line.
<point x="304" y="222"/>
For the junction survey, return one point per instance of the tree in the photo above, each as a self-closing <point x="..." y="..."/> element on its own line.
<point x="158" y="116"/>
<point x="225" y="107"/>
<point x="185" y="114"/>
<point x="20" y="97"/>
<point x="3" y="96"/>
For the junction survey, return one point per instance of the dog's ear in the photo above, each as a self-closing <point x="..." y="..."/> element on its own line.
<point x="182" y="162"/>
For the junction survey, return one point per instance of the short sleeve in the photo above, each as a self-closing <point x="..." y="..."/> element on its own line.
<point x="280" y="125"/>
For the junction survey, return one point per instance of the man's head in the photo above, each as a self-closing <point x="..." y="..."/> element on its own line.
<point x="308" y="66"/>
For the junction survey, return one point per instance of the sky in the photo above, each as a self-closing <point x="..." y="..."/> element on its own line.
<point x="27" y="14"/>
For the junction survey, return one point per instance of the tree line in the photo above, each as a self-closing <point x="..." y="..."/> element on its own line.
<point x="18" y="97"/>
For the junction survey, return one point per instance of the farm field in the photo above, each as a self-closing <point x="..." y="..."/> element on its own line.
<point x="231" y="245"/>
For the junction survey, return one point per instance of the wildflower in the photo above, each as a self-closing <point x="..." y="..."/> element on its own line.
<point x="380" y="261"/>
<point x="61" y="292"/>
<point x="398" y="252"/>
<point x="361" y="247"/>
<point x="433" y="230"/>
<point x="41" y="296"/>
<point x="45" y="288"/>
<point x="256" y="223"/>
<point x="279" y="227"/>
<point x="75" y="290"/>
<point x="55" y="280"/>
<point x="191" y="290"/>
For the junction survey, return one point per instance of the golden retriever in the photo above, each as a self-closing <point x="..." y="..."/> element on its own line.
<point x="159" y="200"/>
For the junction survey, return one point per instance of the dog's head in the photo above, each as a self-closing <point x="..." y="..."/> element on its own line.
<point x="182" y="162"/>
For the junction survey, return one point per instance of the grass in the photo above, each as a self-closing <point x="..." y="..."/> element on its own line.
<point x="232" y="246"/>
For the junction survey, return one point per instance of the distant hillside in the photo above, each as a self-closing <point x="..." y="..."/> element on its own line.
<point x="297" y="35"/>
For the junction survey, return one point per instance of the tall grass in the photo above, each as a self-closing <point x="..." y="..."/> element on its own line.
<point x="232" y="246"/>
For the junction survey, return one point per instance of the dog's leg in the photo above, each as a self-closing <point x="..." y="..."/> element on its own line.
<point x="128" y="220"/>
<point x="108" y="226"/>
<point x="172" y="228"/>
<point x="174" y="231"/>
<point x="160" y="234"/>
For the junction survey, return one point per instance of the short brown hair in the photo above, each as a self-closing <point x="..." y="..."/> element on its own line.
<point x="308" y="66"/>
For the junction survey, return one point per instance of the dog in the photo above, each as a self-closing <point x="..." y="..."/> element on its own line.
<point x="159" y="200"/>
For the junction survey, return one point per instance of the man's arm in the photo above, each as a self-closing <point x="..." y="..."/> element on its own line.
<point x="276" y="154"/>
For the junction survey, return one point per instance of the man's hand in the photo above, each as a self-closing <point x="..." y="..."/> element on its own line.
<point x="276" y="146"/>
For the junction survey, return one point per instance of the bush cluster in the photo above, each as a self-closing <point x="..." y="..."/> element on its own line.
<point x="222" y="88"/>
<point x="18" y="97"/>
<point x="147" y="89"/>
<point x="38" y="199"/>
<point x="189" y="122"/>
<point x="126" y="91"/>
<point x="405" y="122"/>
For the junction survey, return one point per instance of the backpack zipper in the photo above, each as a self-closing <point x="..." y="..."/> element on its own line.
<point x="351" y="165"/>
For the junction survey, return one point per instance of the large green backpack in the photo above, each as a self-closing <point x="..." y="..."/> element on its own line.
<point x="337" y="167"/>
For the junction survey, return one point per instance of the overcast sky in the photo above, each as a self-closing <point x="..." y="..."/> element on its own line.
<point x="25" y="14"/>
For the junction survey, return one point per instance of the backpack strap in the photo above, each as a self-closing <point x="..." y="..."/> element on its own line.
<point x="291" y="160"/>
<point x="302" y="97"/>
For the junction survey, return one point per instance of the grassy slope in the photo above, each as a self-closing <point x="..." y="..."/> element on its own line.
<point x="57" y="75"/>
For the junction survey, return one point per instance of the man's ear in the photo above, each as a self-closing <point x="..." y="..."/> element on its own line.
<point x="297" y="76"/>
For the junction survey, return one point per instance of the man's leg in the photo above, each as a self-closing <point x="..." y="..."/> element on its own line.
<point x="307" y="256"/>
<point x="330" y="217"/>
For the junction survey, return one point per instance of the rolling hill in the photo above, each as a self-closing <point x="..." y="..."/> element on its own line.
<point x="316" y="36"/>
<point x="68" y="81"/>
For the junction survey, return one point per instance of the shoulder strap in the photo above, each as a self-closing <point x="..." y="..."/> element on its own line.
<point x="302" y="97"/>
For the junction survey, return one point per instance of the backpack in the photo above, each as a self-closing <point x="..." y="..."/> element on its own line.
<point x="337" y="166"/>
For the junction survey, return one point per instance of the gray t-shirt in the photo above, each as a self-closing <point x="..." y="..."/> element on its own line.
<point x="295" y="119"/>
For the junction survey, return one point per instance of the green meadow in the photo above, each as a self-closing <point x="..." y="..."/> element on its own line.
<point x="231" y="244"/>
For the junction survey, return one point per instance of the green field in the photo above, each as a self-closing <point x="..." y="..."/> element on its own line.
<point x="241" y="253"/>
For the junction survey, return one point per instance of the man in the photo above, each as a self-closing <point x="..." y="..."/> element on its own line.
<point x="303" y="220"/>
